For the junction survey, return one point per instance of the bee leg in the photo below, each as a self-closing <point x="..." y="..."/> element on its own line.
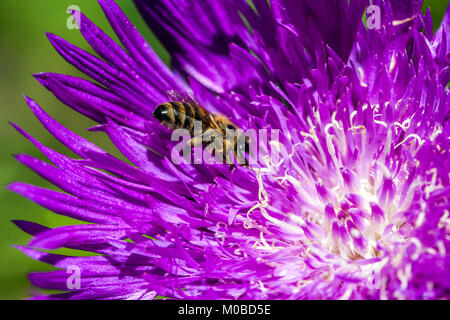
<point x="217" y="146"/>
<point x="204" y="137"/>
<point x="228" y="149"/>
<point x="196" y="141"/>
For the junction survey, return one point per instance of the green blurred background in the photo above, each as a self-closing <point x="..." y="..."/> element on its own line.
<point x="24" y="50"/>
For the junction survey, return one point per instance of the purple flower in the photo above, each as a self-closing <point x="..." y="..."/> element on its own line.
<point x="356" y="207"/>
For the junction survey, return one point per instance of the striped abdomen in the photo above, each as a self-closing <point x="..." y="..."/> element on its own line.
<point x="181" y="115"/>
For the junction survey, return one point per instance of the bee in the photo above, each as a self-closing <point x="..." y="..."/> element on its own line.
<point x="181" y="113"/>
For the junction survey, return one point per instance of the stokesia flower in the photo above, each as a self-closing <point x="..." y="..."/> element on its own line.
<point x="356" y="206"/>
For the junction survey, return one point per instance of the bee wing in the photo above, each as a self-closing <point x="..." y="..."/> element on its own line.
<point x="174" y="95"/>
